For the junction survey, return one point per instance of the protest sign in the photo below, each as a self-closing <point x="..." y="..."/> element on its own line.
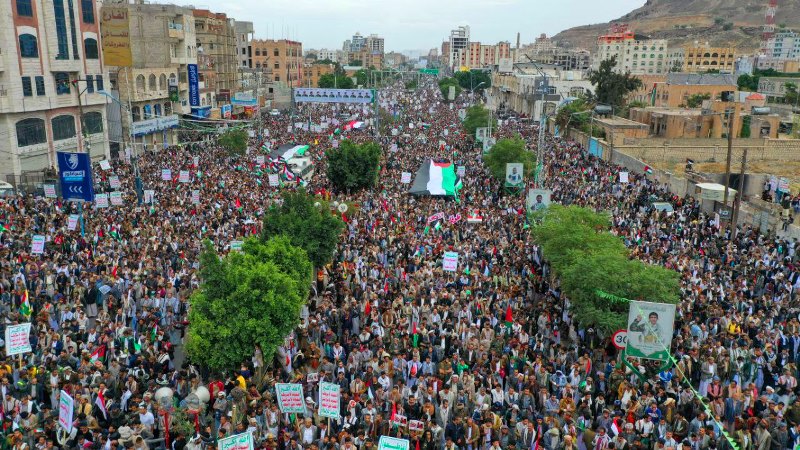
<point x="50" y="190"/>
<point x="183" y="176"/>
<point x="415" y="425"/>
<point x="72" y="222"/>
<point x="290" y="398"/>
<point x="37" y="244"/>
<point x="166" y="174"/>
<point x="237" y="245"/>
<point x="195" y="197"/>
<point x="113" y="181"/>
<point x="405" y="177"/>
<point x="260" y="160"/>
<point x="650" y="327"/>
<point x="435" y="217"/>
<point x="461" y="170"/>
<point x="149" y="196"/>
<point x="66" y="411"/>
<point x="390" y="443"/>
<point x="400" y="420"/>
<point x="450" y="262"/>
<point x="329" y="397"/>
<point x="623" y="177"/>
<point x="18" y="339"/>
<point x="312" y="377"/>
<point x="242" y="441"/>
<point x="274" y="180"/>
<point x="105" y="165"/>
<point x="116" y="198"/>
<point x="101" y="200"/>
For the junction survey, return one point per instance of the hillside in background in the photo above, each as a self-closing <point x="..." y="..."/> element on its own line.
<point x="719" y="22"/>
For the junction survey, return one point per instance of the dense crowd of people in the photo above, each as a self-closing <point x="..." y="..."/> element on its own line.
<point x="419" y="353"/>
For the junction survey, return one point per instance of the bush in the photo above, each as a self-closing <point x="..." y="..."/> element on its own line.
<point x="509" y="151"/>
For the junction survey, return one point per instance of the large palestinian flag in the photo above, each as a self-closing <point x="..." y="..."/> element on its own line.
<point x="436" y="178"/>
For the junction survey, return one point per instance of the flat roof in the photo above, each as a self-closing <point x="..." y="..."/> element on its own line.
<point x="672" y="111"/>
<point x="620" y="122"/>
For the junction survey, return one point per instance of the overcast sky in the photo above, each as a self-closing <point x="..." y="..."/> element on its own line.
<point x="414" y="24"/>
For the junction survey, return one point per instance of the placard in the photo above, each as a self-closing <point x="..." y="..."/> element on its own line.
<point x="116" y="198"/>
<point x="50" y="190"/>
<point x="450" y="262"/>
<point x="290" y="398"/>
<point x="196" y="161"/>
<point x="405" y="177"/>
<point x="260" y="160"/>
<point x="623" y="177"/>
<point x="149" y="196"/>
<point x="37" y="244"/>
<point x="18" y="339"/>
<point x="312" y="377"/>
<point x="416" y="425"/>
<point x="183" y="176"/>
<point x="237" y="245"/>
<point x="66" y="411"/>
<point x="650" y="327"/>
<point x="400" y="420"/>
<point x="390" y="443"/>
<point x="242" y="441"/>
<point x="329" y="397"/>
<point x="274" y="180"/>
<point x="461" y="170"/>
<point x="101" y="200"/>
<point x="166" y="174"/>
<point x="113" y="181"/>
<point x="72" y="222"/>
<point x="195" y="197"/>
<point x="105" y="165"/>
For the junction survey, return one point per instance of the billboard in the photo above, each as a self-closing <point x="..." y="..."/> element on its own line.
<point x="75" y="173"/>
<point x="115" y="36"/>
<point x="650" y="327"/>
<point x="194" y="85"/>
<point x="318" y="95"/>
<point x="225" y="111"/>
<point x="539" y="199"/>
<point x="150" y="126"/>
<point x="506" y="65"/>
<point x="514" y="174"/>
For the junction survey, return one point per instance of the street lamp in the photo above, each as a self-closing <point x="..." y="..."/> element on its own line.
<point x="139" y="186"/>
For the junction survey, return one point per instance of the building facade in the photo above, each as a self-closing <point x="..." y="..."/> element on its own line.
<point x="284" y="57"/>
<point x="635" y="55"/>
<point x="152" y="90"/>
<point x="458" y="42"/>
<point x="774" y="88"/>
<point x="313" y="71"/>
<point x="51" y="70"/>
<point x="217" y="59"/>
<point x="244" y="43"/>
<point x="678" y="87"/>
<point x="784" y="45"/>
<point x="702" y="58"/>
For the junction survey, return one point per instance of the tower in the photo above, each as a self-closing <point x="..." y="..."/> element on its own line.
<point x="769" y="24"/>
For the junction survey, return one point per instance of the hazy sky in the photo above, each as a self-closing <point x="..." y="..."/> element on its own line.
<point x="414" y="24"/>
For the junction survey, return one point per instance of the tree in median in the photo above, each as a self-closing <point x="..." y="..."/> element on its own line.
<point x="330" y="81"/>
<point x="354" y="166"/>
<point x="611" y="87"/>
<point x="444" y="87"/>
<point x="249" y="298"/>
<point x="477" y="117"/>
<point x="314" y="230"/>
<point x="234" y="141"/>
<point x="509" y="151"/>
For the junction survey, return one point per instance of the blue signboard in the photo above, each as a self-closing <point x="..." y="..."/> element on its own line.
<point x="194" y="85"/>
<point x="75" y="172"/>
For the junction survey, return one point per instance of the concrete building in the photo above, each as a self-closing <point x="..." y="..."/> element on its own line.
<point x="458" y="41"/>
<point x="394" y="59"/>
<point x="709" y="122"/>
<point x="374" y="44"/>
<point x="676" y="58"/>
<point x="332" y="55"/>
<point x="283" y="57"/>
<point x="51" y="69"/>
<point x="244" y="43"/>
<point x="572" y="59"/>
<point x="312" y="72"/>
<point x="477" y="55"/>
<point x="637" y="55"/>
<point x="702" y="58"/>
<point x="778" y="64"/>
<point x="645" y="93"/>
<point x="217" y="59"/>
<point x="784" y="45"/>
<point x="153" y="90"/>
<point x="523" y="92"/>
<point x="678" y="87"/>
<point x="774" y="88"/>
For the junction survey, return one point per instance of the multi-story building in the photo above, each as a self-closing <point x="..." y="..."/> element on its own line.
<point x="284" y="57"/>
<point x="774" y="88"/>
<point x="152" y="86"/>
<point x="313" y="71"/>
<point x="374" y="44"/>
<point x="477" y="55"/>
<point x="216" y="57"/>
<point x="543" y="44"/>
<point x="244" y="43"/>
<point x="458" y="42"/>
<point x="784" y="45"/>
<point x="676" y="58"/>
<point x="678" y="87"/>
<point x="51" y="70"/>
<point x="525" y="92"/>
<point x="577" y="59"/>
<point x="702" y="58"/>
<point x="394" y="59"/>
<point x="634" y="54"/>
<point x="332" y="55"/>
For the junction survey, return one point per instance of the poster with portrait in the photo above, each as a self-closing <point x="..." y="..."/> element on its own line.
<point x="514" y="175"/>
<point x="650" y="327"/>
<point x="538" y="199"/>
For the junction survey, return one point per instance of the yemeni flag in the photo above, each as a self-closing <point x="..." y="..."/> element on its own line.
<point x="100" y="401"/>
<point x="99" y="354"/>
<point x="436" y="178"/>
<point x="25" y="305"/>
<point x="414" y="334"/>
<point x="648" y="170"/>
<point x="509" y="317"/>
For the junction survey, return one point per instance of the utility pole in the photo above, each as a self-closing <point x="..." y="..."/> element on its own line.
<point x="739" y="194"/>
<point x="731" y="117"/>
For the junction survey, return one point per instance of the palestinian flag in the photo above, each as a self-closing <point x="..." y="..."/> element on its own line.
<point x="25" y="305"/>
<point x="436" y="178"/>
<point x="4" y="228"/>
<point x="100" y="401"/>
<point x="509" y="317"/>
<point x="99" y="354"/>
<point x="648" y="170"/>
<point x="414" y="335"/>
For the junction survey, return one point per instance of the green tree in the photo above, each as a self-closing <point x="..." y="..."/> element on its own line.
<point x="444" y="87"/>
<point x="362" y="77"/>
<point x="696" y="100"/>
<point x="356" y="63"/>
<point x="353" y="167"/>
<point x="588" y="259"/>
<point x="308" y="227"/>
<point x="234" y="141"/>
<point x="509" y="151"/>
<point x="748" y="82"/>
<point x="477" y="117"/>
<point x="330" y="81"/>
<point x="574" y="114"/>
<point x="612" y="87"/>
<point x="249" y="298"/>
<point x="790" y="93"/>
<point x="473" y="78"/>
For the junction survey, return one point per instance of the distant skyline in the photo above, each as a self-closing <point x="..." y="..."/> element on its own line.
<point x="414" y="25"/>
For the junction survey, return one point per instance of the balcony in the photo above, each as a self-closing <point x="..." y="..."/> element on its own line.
<point x="176" y="31"/>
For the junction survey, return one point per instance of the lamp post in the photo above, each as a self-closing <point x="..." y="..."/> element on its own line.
<point x="139" y="186"/>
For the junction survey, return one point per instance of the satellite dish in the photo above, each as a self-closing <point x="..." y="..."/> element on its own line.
<point x="342" y="208"/>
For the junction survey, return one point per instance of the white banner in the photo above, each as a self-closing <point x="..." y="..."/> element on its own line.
<point x="66" y="411"/>
<point x="50" y="190"/>
<point x="18" y="339"/>
<point x="290" y="398"/>
<point x="37" y="244"/>
<point x="405" y="177"/>
<point x="242" y="441"/>
<point x="329" y="396"/>
<point x="450" y="262"/>
<point x="166" y="174"/>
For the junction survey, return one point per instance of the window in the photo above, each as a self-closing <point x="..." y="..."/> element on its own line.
<point x="276" y="52"/>
<point x="167" y="108"/>
<point x="147" y="112"/>
<point x="71" y="10"/>
<point x="87" y="7"/>
<point x="27" y="89"/>
<point x="162" y="82"/>
<point x="27" y="46"/>
<point x="39" y="85"/>
<point x="98" y="80"/>
<point x="277" y="78"/>
<point x="62" y="83"/>
<point x="277" y="65"/>
<point x="24" y="8"/>
<point x="140" y="82"/>
<point x="136" y="115"/>
<point x="63" y="127"/>
<point x="157" y="110"/>
<point x="93" y="122"/>
<point x="151" y="82"/>
<point x="258" y="52"/>
<point x="90" y="48"/>
<point x="89" y="84"/>
<point x="30" y="132"/>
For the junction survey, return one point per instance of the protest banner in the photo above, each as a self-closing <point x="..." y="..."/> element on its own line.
<point x="183" y="176"/>
<point x="415" y="425"/>
<point x="37" y="244"/>
<point x="149" y="196"/>
<point x="66" y="411"/>
<point x="237" y="245"/>
<point x="274" y="180"/>
<point x="390" y="443"/>
<point x="166" y="174"/>
<point x="113" y="181"/>
<point x="105" y="165"/>
<point x="116" y="198"/>
<point x="50" y="190"/>
<point x="329" y="396"/>
<point x="195" y="197"/>
<point x="72" y="222"/>
<point x="450" y="261"/>
<point x="405" y="177"/>
<point x="312" y="377"/>
<point x="101" y="200"/>
<point x="290" y="398"/>
<point x="461" y="170"/>
<point x="18" y="339"/>
<point x="623" y="177"/>
<point x="242" y="441"/>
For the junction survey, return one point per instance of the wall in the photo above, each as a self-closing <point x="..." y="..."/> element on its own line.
<point x="709" y="150"/>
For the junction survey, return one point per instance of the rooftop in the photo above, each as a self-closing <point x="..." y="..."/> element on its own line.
<point x="702" y="79"/>
<point x="619" y="122"/>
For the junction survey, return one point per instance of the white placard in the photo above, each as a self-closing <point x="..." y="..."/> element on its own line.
<point x="37" y="244"/>
<point x="166" y="174"/>
<point x="113" y="181"/>
<point x="461" y="170"/>
<point x="18" y="339"/>
<point x="329" y="397"/>
<point x="50" y="190"/>
<point x="105" y="165"/>
<point x="72" y="222"/>
<point x="623" y="177"/>
<point x="195" y="197"/>
<point x="450" y="262"/>
<point x="101" y="200"/>
<point x="183" y="177"/>
<point x="405" y="177"/>
<point x="274" y="180"/>
<point x="260" y="160"/>
<point x="149" y="196"/>
<point x="116" y="198"/>
<point x="66" y="411"/>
